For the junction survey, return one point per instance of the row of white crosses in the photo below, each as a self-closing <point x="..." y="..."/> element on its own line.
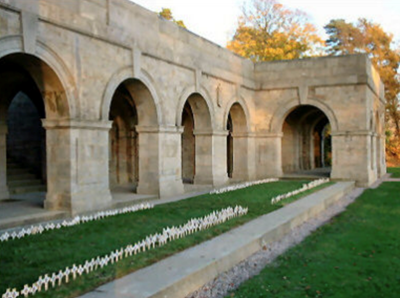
<point x="151" y="241"/>
<point x="304" y="188"/>
<point x="242" y="185"/>
<point x="39" y="229"/>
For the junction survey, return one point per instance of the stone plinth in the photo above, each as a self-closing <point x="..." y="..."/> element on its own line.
<point x="353" y="157"/>
<point x="77" y="165"/>
<point x="159" y="161"/>
<point x="211" y="157"/>
<point x="269" y="155"/>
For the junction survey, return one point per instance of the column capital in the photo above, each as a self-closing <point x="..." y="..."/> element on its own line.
<point x="238" y="135"/>
<point x="356" y="133"/>
<point x="78" y="124"/>
<point x="264" y="135"/>
<point x="159" y="129"/>
<point x="210" y="132"/>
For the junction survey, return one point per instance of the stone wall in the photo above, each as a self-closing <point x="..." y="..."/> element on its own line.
<point x="78" y="55"/>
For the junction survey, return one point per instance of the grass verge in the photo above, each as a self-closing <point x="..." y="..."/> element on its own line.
<point x="394" y="171"/>
<point x="23" y="261"/>
<point x="355" y="255"/>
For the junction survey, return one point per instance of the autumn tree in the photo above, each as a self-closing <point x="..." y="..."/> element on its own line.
<point x="367" y="37"/>
<point x="269" y="31"/>
<point x="166" y="13"/>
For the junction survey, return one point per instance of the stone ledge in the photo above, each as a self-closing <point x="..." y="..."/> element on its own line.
<point x="185" y="272"/>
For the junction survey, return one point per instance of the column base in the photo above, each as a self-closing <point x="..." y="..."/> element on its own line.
<point x="240" y="177"/>
<point x="79" y="203"/>
<point x="147" y="188"/>
<point x="214" y="181"/>
<point x="4" y="193"/>
<point x="171" y="187"/>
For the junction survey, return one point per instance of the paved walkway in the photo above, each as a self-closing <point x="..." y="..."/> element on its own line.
<point x="385" y="178"/>
<point x="27" y="209"/>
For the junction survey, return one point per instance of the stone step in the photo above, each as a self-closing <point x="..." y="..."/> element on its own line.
<point x="23" y="182"/>
<point x="27" y="189"/>
<point x="23" y="176"/>
<point x="13" y="166"/>
<point x="185" y="272"/>
<point x="17" y="171"/>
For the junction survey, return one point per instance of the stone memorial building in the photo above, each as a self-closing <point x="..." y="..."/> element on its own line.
<point x="95" y="94"/>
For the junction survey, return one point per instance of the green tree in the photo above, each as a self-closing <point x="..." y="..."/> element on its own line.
<point x="269" y="31"/>
<point x="367" y="37"/>
<point x="166" y="13"/>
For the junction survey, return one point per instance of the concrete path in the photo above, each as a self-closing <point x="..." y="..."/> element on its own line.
<point x="25" y="210"/>
<point x="185" y="272"/>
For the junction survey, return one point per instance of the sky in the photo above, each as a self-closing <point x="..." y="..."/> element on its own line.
<point x="216" y="20"/>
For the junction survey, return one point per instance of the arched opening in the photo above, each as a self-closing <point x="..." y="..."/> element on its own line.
<point x="306" y="142"/>
<point x="196" y="141"/>
<point x="124" y="138"/>
<point x="133" y="149"/>
<point x="229" y="146"/>
<point x="29" y="92"/>
<point x="188" y="145"/>
<point x="124" y="155"/>
<point x="237" y="163"/>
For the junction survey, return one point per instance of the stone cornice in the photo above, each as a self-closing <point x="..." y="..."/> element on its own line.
<point x="159" y="129"/>
<point x="263" y="135"/>
<point x="210" y="132"/>
<point x="353" y="133"/>
<point x="76" y="124"/>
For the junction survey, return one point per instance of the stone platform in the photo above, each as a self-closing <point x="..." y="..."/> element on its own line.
<point x="185" y="272"/>
<point x="26" y="209"/>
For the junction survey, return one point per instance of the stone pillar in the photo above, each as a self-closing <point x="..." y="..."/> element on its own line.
<point x="4" y="194"/>
<point x="149" y="166"/>
<point x="240" y="157"/>
<point x="211" y="150"/>
<point x="170" y="161"/>
<point x="160" y="160"/>
<point x="77" y="165"/>
<point x="219" y="155"/>
<point x="268" y="148"/>
<point x="351" y="157"/>
<point x="381" y="155"/>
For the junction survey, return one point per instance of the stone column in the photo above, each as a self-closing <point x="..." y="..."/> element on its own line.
<point x="148" y="147"/>
<point x="240" y="157"/>
<point x="4" y="194"/>
<point x="351" y="157"/>
<point x="381" y="155"/>
<point x="219" y="162"/>
<point x="160" y="160"/>
<point x="268" y="161"/>
<point x="211" y="150"/>
<point x="171" y="161"/>
<point x="77" y="165"/>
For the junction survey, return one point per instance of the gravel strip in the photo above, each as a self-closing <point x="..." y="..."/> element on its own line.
<point x="231" y="280"/>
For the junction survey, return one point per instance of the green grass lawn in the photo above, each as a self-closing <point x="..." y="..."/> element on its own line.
<point x="395" y="172"/>
<point x="355" y="255"/>
<point x="23" y="261"/>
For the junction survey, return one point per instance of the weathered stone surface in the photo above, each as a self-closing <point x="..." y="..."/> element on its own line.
<point x="75" y="57"/>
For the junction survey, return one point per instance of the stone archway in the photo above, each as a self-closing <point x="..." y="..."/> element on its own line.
<point x="124" y="157"/>
<point x="30" y="91"/>
<point x="237" y="143"/>
<point x="197" y="159"/>
<point x="306" y="145"/>
<point x="188" y="145"/>
<point x="133" y="152"/>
